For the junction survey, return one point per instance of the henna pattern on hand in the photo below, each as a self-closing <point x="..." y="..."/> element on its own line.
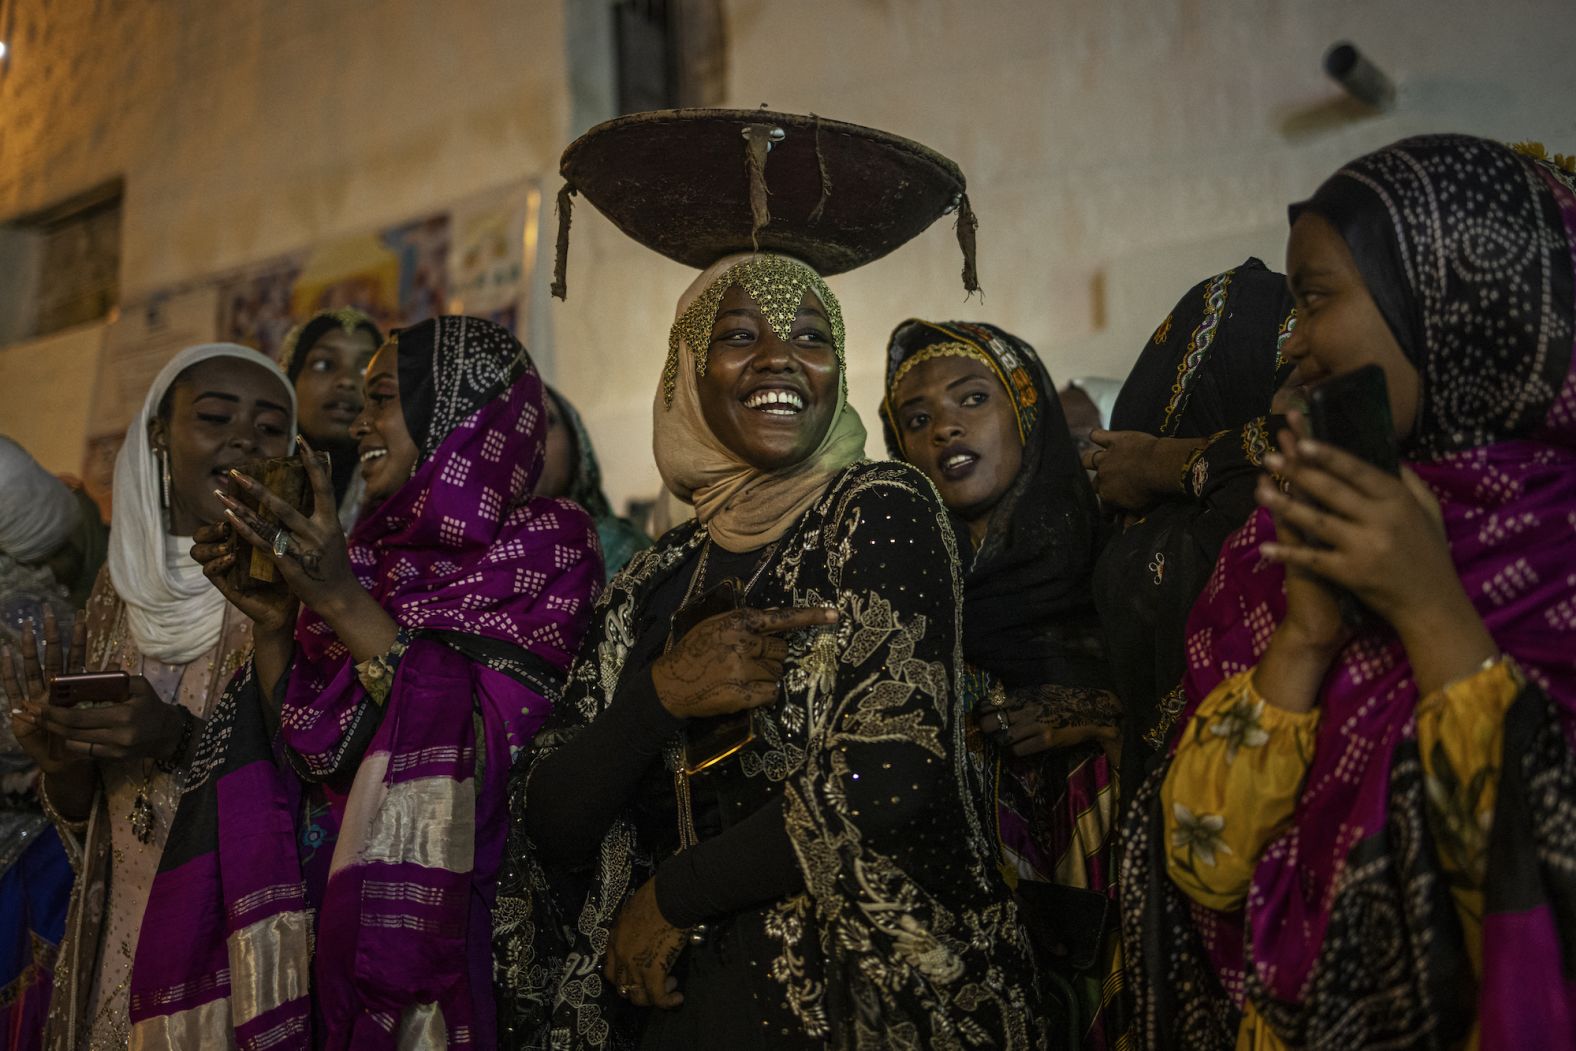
<point x="310" y="561"/>
<point x="1060" y="706"/>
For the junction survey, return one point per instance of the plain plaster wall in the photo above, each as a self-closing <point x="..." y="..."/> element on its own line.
<point x="1116" y="150"/>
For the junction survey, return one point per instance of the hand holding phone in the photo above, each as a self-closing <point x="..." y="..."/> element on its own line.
<point x="26" y="681"/>
<point x="90" y="688"/>
<point x="285" y="477"/>
<point x="1352" y="412"/>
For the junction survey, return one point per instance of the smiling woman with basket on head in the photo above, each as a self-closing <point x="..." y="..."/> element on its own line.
<point x="752" y="823"/>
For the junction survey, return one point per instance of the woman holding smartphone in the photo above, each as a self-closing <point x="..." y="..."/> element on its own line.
<point x="337" y="892"/>
<point x="112" y="771"/>
<point x="1363" y="837"/>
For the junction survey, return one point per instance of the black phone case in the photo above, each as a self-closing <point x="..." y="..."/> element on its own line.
<point x="1352" y="412"/>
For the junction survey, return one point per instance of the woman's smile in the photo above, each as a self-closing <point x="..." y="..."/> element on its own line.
<point x="769" y="400"/>
<point x="775" y="400"/>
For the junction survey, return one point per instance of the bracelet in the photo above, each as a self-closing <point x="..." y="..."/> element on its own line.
<point x="177" y="757"/>
<point x="377" y="673"/>
<point x="1487" y="664"/>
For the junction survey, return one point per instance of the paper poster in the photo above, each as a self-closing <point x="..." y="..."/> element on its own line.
<point x="361" y="272"/>
<point x="254" y="307"/>
<point x="494" y="249"/>
<point x="422" y="251"/>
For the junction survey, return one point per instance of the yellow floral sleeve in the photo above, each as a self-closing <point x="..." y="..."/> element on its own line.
<point x="1231" y="788"/>
<point x="1460" y="734"/>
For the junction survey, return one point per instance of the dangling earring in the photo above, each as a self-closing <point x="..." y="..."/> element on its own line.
<point x="164" y="470"/>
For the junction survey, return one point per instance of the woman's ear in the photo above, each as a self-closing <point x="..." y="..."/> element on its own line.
<point x="158" y="434"/>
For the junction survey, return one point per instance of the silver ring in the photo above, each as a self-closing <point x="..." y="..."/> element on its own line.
<point x="623" y="991"/>
<point x="281" y="543"/>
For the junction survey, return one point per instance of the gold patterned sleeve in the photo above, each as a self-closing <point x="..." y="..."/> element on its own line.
<point x="1460" y="734"/>
<point x="1231" y="788"/>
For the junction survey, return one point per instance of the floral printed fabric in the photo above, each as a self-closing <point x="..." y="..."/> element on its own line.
<point x="1231" y="789"/>
<point x="1226" y="794"/>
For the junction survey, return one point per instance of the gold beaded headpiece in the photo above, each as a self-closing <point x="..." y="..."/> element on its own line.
<point x="777" y="284"/>
<point x="347" y="318"/>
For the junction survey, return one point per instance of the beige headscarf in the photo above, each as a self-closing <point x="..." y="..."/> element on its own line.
<point x="742" y="507"/>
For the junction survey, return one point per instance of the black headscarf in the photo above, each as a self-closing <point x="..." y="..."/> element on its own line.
<point x="1027" y="614"/>
<point x="448" y="368"/>
<point x="620" y="537"/>
<point x="585" y="484"/>
<point x="1453" y="235"/>
<point x="1212" y="366"/>
<point x="1207" y="369"/>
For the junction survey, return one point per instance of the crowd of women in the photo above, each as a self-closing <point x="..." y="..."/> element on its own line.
<point x="1207" y="735"/>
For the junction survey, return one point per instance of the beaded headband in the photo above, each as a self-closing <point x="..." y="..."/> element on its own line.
<point x="938" y="350"/>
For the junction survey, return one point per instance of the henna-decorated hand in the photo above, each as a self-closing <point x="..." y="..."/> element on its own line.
<point x="27" y="689"/>
<point x="731" y="661"/>
<point x="270" y="610"/>
<point x="1050" y="716"/>
<point x="316" y="562"/>
<point x="642" y="950"/>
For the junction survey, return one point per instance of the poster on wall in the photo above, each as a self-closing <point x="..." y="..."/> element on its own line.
<point x="422" y="249"/>
<point x="490" y="262"/>
<point x="255" y="306"/>
<point x="361" y="272"/>
<point x="143" y="337"/>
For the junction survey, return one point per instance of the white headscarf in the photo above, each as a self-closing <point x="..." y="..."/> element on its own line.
<point x="174" y="614"/>
<point x="742" y="507"/>
<point x="38" y="512"/>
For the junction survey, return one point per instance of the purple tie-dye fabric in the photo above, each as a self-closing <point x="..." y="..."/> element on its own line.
<point x="462" y="548"/>
<point x="404" y="908"/>
<point x="1509" y="511"/>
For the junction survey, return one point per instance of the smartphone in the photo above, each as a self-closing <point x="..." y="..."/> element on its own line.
<point x="92" y="688"/>
<point x="286" y="478"/>
<point x="1352" y="412"/>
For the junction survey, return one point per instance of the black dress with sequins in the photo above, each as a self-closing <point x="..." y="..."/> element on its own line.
<point x="845" y="870"/>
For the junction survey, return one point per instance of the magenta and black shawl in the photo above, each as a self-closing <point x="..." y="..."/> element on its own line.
<point x="1349" y="937"/>
<point x="492" y="588"/>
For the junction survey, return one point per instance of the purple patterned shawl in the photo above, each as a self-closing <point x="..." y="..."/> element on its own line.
<point x="1487" y="295"/>
<point x="495" y="587"/>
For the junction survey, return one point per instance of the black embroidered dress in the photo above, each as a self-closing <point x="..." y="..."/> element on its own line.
<point x="845" y="872"/>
